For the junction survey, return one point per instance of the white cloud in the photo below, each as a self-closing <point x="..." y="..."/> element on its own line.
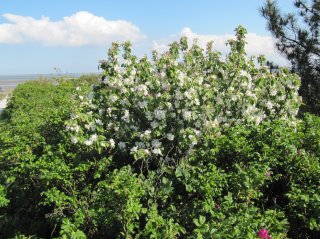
<point x="80" y="29"/>
<point x="256" y="44"/>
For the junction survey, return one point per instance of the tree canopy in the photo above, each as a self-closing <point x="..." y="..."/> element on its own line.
<point x="297" y="37"/>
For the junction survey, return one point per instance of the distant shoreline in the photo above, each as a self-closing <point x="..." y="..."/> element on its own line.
<point x="47" y="75"/>
<point x="9" y="81"/>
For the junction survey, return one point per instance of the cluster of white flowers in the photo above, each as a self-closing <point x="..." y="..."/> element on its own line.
<point x="154" y="110"/>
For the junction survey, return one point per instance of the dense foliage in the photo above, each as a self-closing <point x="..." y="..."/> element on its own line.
<point x="299" y="40"/>
<point x="31" y="130"/>
<point x="187" y="146"/>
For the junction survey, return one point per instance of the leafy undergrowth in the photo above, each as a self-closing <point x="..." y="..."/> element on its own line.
<point x="160" y="150"/>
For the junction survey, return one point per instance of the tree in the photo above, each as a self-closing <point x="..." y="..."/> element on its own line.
<point x="298" y="39"/>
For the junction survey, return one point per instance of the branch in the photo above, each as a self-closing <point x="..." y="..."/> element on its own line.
<point x="304" y="6"/>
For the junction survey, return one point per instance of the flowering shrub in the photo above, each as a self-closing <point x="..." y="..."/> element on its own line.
<point x="155" y="115"/>
<point x="158" y="112"/>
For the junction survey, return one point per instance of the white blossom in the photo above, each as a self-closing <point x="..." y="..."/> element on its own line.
<point x="193" y="141"/>
<point x="74" y="116"/>
<point x="165" y="86"/>
<point x="155" y="143"/>
<point x="273" y="92"/>
<point x="245" y="74"/>
<point x="234" y="97"/>
<point x="146" y="134"/>
<point x="125" y="117"/>
<point x="74" y="140"/>
<point x="186" y="115"/>
<point x="128" y="62"/>
<point x="122" y="145"/>
<point x="154" y="124"/>
<point x="113" y="98"/>
<point x="170" y="136"/>
<point x="134" y="149"/>
<point x="142" y="88"/>
<point x="133" y="72"/>
<point x="157" y="151"/>
<point x="250" y="93"/>
<point x="116" y="68"/>
<point x="159" y="114"/>
<point x="142" y="104"/>
<point x="88" y="142"/>
<point x="99" y="122"/>
<point x="269" y="105"/>
<point x="181" y="75"/>
<point x="112" y="143"/>
<point x="127" y="81"/>
<point x="215" y="123"/>
<point x="178" y="95"/>
<point x="189" y="93"/>
<point x="94" y="137"/>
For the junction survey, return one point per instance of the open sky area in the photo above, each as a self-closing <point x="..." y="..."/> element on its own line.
<point x="73" y="35"/>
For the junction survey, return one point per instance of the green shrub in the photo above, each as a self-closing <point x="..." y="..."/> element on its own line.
<point x="32" y="143"/>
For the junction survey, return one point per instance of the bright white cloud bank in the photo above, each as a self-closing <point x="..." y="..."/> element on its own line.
<point x="79" y="29"/>
<point x="256" y="45"/>
<point x="84" y="28"/>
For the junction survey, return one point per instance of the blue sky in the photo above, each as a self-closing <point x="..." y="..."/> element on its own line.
<point x="37" y="36"/>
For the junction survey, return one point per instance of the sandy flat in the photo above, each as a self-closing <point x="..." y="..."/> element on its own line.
<point x="3" y="104"/>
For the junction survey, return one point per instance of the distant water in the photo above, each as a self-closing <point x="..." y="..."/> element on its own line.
<point x="14" y="80"/>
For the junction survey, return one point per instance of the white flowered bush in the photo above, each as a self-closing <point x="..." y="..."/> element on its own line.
<point x="159" y="110"/>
